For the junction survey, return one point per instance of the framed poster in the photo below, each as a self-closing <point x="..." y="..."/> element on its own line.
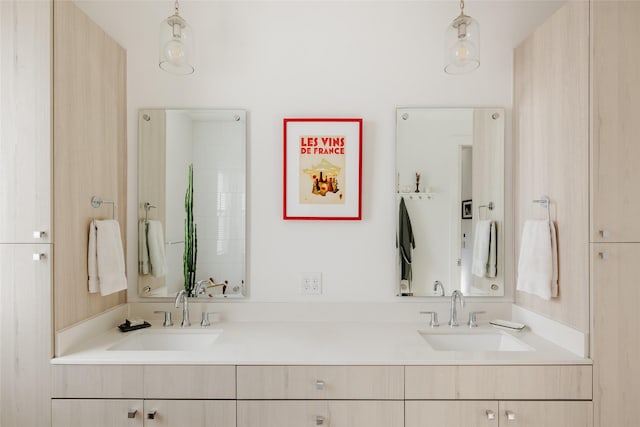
<point x="322" y="169"/>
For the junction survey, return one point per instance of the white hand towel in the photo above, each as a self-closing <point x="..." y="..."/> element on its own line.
<point x="481" y="244"/>
<point x="537" y="265"/>
<point x="106" y="258"/>
<point x="92" y="259"/>
<point x="143" y="249"/>
<point x="155" y="243"/>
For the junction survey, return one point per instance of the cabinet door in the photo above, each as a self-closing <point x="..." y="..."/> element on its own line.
<point x="190" y="413"/>
<point x="96" y="413"/>
<point x="616" y="342"/>
<point x="616" y="107"/>
<point x="547" y="414"/>
<point x="25" y="335"/>
<point x="333" y="413"/>
<point x="451" y="413"/>
<point x="25" y="121"/>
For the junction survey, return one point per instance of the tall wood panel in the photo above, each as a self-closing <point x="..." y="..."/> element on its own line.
<point x="89" y="130"/>
<point x="25" y="121"/>
<point x="551" y="131"/>
<point x="25" y="331"/>
<point x="615" y="112"/>
<point x="616" y="342"/>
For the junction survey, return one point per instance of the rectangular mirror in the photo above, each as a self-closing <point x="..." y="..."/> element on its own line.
<point x="212" y="144"/>
<point x="450" y="201"/>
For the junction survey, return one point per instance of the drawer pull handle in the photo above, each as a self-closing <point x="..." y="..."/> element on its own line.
<point x="490" y="414"/>
<point x="319" y="385"/>
<point x="39" y="257"/>
<point x="151" y="415"/>
<point x="39" y="234"/>
<point x="604" y="233"/>
<point x="511" y="416"/>
<point x="132" y="413"/>
<point x="603" y="255"/>
<point x="319" y="420"/>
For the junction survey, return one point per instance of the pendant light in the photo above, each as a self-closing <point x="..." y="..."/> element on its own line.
<point x="462" y="44"/>
<point x="176" y="44"/>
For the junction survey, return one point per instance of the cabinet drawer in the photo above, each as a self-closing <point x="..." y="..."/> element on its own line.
<point x="190" y="413"/>
<point x="320" y="382"/>
<point x="499" y="382"/>
<point x="370" y="413"/>
<point x="96" y="413"/>
<point x="189" y="382"/>
<point x="547" y="414"/>
<point x="451" y="413"/>
<point x="97" y="381"/>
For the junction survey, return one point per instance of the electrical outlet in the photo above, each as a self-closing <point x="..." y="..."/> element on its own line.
<point x="311" y="283"/>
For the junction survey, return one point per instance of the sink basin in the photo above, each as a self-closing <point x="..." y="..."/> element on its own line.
<point x="470" y="341"/>
<point x="168" y="341"/>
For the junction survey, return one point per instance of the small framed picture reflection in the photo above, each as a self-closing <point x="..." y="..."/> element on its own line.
<point x="466" y="209"/>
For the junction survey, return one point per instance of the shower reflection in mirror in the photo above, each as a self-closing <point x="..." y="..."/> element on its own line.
<point x="458" y="153"/>
<point x="213" y="142"/>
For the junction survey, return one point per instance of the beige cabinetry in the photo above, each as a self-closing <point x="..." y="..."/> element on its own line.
<point x="26" y="254"/>
<point x="498" y="413"/>
<point x="25" y="320"/>
<point x="543" y="395"/>
<point x="616" y="341"/>
<point x="615" y="199"/>
<point x="334" y="413"/>
<point x="337" y="396"/>
<point x="615" y="150"/>
<point x="149" y="396"/>
<point x="139" y="413"/>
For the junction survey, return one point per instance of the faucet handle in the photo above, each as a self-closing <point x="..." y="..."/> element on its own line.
<point x="434" y="318"/>
<point x="473" y="322"/>
<point x="167" y="317"/>
<point x="205" y="318"/>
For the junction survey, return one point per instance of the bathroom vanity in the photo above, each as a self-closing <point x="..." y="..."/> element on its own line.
<point x="333" y="374"/>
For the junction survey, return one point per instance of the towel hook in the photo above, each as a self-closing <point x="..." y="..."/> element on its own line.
<point x="545" y="201"/>
<point x="147" y="207"/>
<point x="490" y="206"/>
<point x="96" y="202"/>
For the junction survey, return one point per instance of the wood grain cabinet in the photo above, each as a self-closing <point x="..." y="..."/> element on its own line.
<point x="143" y="395"/>
<point x="615" y="100"/>
<point x="139" y="413"/>
<point x="470" y="413"/>
<point x="332" y="413"/>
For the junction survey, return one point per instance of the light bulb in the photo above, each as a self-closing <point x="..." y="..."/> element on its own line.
<point x="462" y="51"/>
<point x="175" y="52"/>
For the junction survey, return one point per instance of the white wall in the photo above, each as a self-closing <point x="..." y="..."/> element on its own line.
<point x="315" y="59"/>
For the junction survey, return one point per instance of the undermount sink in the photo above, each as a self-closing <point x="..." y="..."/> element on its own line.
<point x="176" y="340"/>
<point x="474" y="341"/>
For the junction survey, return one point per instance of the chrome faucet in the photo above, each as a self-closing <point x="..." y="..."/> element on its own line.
<point x="201" y="288"/>
<point x="438" y="284"/>
<point x="182" y="295"/>
<point x="453" y="314"/>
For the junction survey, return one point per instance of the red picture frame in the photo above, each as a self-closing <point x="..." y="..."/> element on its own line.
<point x="322" y="169"/>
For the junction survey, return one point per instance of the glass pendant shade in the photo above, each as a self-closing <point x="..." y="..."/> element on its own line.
<point x="462" y="45"/>
<point x="176" y="45"/>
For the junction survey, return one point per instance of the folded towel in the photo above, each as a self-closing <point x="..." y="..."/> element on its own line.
<point x="155" y="243"/>
<point x="143" y="249"/>
<point x="105" y="259"/>
<point x="538" y="262"/>
<point x="484" y="249"/>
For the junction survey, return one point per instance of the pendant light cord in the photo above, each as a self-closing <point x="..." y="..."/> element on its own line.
<point x="178" y="7"/>
<point x="461" y="6"/>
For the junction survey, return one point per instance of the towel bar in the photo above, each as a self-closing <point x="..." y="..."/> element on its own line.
<point x="96" y="202"/>
<point x="490" y="206"/>
<point x="545" y="201"/>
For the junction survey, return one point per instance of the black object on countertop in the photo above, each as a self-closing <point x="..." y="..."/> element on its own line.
<point x="126" y="326"/>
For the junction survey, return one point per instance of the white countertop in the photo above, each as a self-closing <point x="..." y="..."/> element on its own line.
<point x="319" y="343"/>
